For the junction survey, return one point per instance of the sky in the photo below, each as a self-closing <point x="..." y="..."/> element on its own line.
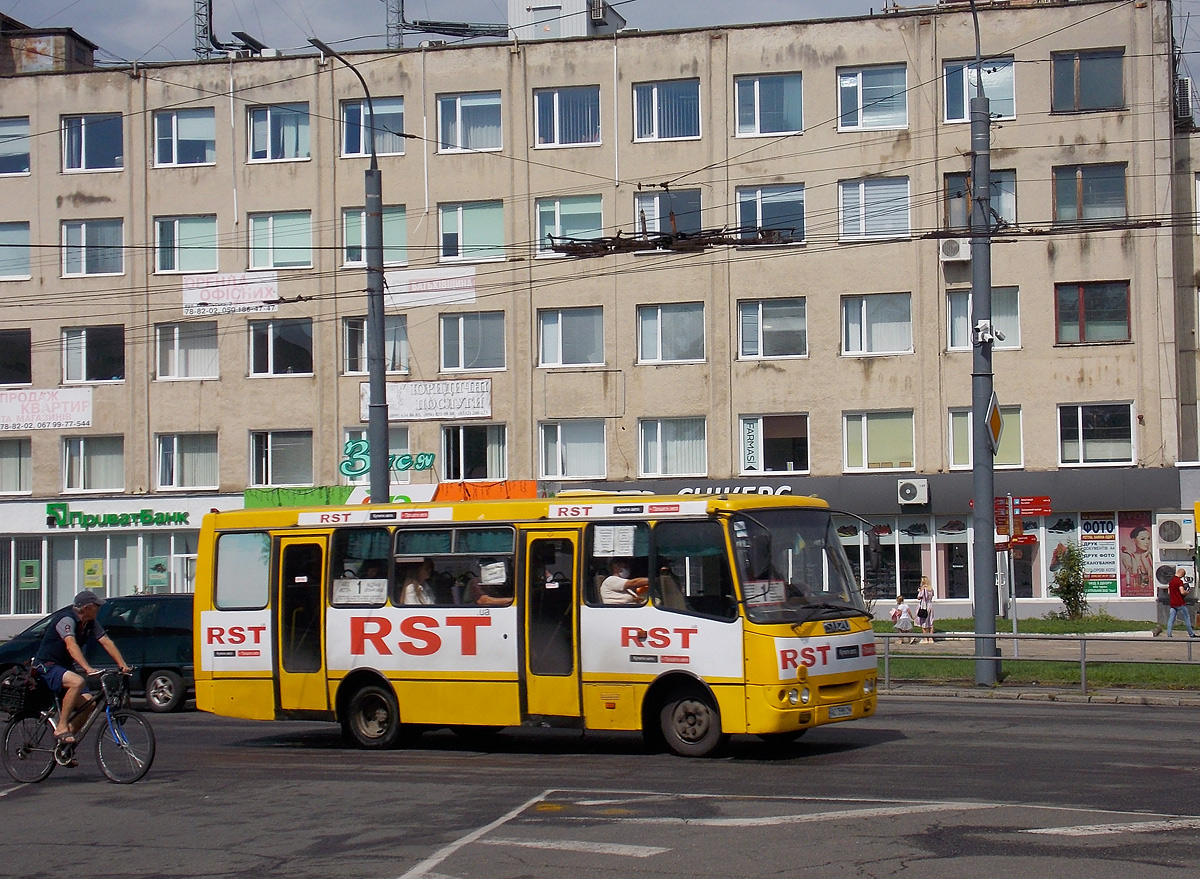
<point x="162" y="30"/>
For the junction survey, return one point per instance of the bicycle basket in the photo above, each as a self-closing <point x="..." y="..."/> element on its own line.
<point x="116" y="688"/>
<point x="15" y="691"/>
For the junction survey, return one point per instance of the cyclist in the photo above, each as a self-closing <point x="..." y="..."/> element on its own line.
<point x="70" y="630"/>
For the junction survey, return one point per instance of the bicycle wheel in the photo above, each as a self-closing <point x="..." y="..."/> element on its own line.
<point x="124" y="746"/>
<point x="28" y="748"/>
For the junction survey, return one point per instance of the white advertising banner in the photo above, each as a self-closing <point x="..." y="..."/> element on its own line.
<point x="423" y="639"/>
<point x="428" y="401"/>
<point x="52" y="409"/>
<point x="825" y="656"/>
<point x="444" y="286"/>
<point x="240" y="293"/>
<point x="646" y="640"/>
<point x="234" y="640"/>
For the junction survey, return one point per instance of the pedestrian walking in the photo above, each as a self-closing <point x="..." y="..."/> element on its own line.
<point x="903" y="620"/>
<point x="1177" y="589"/>
<point x="925" y="609"/>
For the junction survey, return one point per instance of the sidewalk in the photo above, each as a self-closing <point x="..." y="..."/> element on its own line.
<point x="1029" y="693"/>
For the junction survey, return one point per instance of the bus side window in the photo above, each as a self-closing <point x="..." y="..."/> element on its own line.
<point x="243" y="571"/>
<point x="609" y="549"/>
<point x="359" y="567"/>
<point x="691" y="570"/>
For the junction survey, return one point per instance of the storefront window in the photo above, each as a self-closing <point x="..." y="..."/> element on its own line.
<point x="954" y="559"/>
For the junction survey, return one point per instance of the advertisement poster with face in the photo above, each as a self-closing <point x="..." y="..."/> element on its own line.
<point x="1136" y="555"/>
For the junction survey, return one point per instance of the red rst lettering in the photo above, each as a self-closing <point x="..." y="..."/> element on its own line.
<point x="808" y="657"/>
<point x="469" y="626"/>
<point x="237" y="635"/>
<point x="685" y="636"/>
<point x="334" y="518"/>
<point x="632" y="636"/>
<point x="256" y="631"/>
<point x="659" y="637"/>
<point x="787" y="659"/>
<point x="359" y="636"/>
<point x="424" y="641"/>
<point x="215" y="635"/>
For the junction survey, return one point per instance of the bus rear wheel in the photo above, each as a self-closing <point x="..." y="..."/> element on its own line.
<point x="691" y="725"/>
<point x="372" y="719"/>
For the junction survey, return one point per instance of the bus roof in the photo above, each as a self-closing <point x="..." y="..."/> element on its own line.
<point x="579" y="506"/>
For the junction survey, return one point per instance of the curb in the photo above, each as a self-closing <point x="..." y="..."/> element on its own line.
<point x="1159" y="698"/>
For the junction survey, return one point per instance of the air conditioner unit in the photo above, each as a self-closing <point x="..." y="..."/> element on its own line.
<point x="912" y="491"/>
<point x="1175" y="531"/>
<point x="1183" y="98"/>
<point x="954" y="250"/>
<point x="596" y="11"/>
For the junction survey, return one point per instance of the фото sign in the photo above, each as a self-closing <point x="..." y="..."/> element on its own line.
<point x="52" y="409"/>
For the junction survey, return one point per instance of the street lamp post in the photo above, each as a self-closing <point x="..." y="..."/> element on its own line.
<point x="377" y="408"/>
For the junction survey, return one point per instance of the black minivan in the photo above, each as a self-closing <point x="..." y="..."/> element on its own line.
<point x="154" y="633"/>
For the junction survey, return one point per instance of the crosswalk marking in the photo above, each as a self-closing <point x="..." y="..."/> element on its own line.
<point x="573" y="845"/>
<point x="1110" y="829"/>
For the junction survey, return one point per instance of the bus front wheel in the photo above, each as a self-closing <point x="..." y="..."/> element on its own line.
<point x="691" y="725"/>
<point x="372" y="718"/>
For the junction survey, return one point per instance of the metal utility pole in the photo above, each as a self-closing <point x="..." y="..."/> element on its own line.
<point x="983" y="337"/>
<point x="377" y="408"/>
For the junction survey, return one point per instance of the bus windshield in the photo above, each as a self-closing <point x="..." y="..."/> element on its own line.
<point x="792" y="567"/>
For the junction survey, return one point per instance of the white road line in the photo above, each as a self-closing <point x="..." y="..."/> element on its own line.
<point x="423" y="869"/>
<point x="572" y="845"/>
<point x="806" y="818"/>
<point x="1110" y="829"/>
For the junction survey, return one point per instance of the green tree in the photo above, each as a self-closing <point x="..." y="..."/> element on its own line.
<point x="1068" y="586"/>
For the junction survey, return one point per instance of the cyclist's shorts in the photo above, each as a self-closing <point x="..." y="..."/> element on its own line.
<point x="52" y="675"/>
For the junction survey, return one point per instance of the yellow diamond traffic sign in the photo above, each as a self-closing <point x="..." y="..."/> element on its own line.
<point x="995" y="423"/>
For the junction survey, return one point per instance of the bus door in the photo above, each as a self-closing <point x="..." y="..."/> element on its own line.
<point x="301" y="604"/>
<point x="550" y="624"/>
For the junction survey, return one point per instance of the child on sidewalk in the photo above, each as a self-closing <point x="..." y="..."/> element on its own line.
<point x="902" y="617"/>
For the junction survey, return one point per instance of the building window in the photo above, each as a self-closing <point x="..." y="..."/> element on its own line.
<point x="671" y="333"/>
<point x="185" y="137"/>
<point x="1085" y="81"/>
<point x="879" y="323"/>
<point x="187" y="460"/>
<point x="16" y="357"/>
<point x="572" y="336"/>
<point x="185" y="244"/>
<point x="356" y="453"/>
<point x="395" y="236"/>
<point x="389" y="127"/>
<point x="474" y="452"/>
<point x="672" y="447"/>
<point x="16" y="466"/>
<point x="666" y="110"/>
<point x="469" y="122"/>
<point x="774" y="212"/>
<point x="1091" y="312"/>
<point x="93" y="247"/>
<point x="1002" y="205"/>
<point x="667" y="212"/>
<point x="961" y="79"/>
<point x="875" y="207"/>
<point x="94" y="354"/>
<point x="775" y="444"/>
<point x="474" y="340"/>
<point x="395" y="344"/>
<point x="573" y="450"/>
<point x="472" y="230"/>
<point x="281" y="347"/>
<point x="962" y="443"/>
<point x="93" y="142"/>
<point x="281" y="241"/>
<point x="872" y="98"/>
<point x="14" y="145"/>
<point x="1089" y="193"/>
<point x="772" y="328"/>
<point x="187" y="350"/>
<point x="14" y="251"/>
<point x="1095" y="434"/>
<point x="1006" y="318"/>
<point x="577" y="216"/>
<point x="281" y="457"/>
<point x="878" y="440"/>
<point x="94" y="463"/>
<point x="769" y="104"/>
<point x="567" y="116"/>
<point x="279" y="132"/>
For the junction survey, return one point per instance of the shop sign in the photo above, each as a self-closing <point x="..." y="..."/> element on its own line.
<point x="239" y="293"/>
<point x="62" y="516"/>
<point x="156" y="573"/>
<point x="428" y="401"/>
<point x="1098" y="540"/>
<point x="52" y="409"/>
<point x="442" y="286"/>
<point x="93" y="575"/>
<point x="358" y="460"/>
<point x="30" y="573"/>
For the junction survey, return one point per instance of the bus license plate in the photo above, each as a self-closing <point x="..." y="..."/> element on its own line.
<point x="841" y="711"/>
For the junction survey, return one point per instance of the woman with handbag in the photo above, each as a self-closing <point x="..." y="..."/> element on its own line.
<point x="925" y="609"/>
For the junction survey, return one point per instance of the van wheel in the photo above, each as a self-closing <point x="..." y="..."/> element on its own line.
<point x="164" y="691"/>
<point x="691" y="725"/>
<point x="372" y="718"/>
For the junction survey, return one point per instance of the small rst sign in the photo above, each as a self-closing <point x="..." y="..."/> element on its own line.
<point x="823" y="656"/>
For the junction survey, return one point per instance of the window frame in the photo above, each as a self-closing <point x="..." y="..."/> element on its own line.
<point x="83" y="119"/>
<point x="755" y="82"/>
<point x="967" y="418"/>
<point x="758" y="304"/>
<point x="176" y="245"/>
<point x="756" y="196"/>
<point x="85" y="477"/>
<point x="1082" y="440"/>
<point x="544" y="247"/>
<point x="1080" y="172"/>
<point x="82" y="228"/>
<point x="555" y="114"/>
<point x="1076" y="58"/>
<point x="357" y="326"/>
<point x="161" y="442"/>
<point x="864" y="440"/>
<point x="1082" y="288"/>
<point x="272" y="245"/>
<point x="9" y="138"/>
<point x="661" y="471"/>
<point x="864" y="185"/>
<point x="174" y="350"/>
<point x="363" y="125"/>
<point x="859" y="110"/>
<point x="1012" y="337"/>
<point x="263" y="115"/>
<point x="455" y="464"/>
<point x="19" y="339"/>
<point x="398" y="217"/>
<point x="658" y="220"/>
<point x="23" y="249"/>
<point x="656" y="109"/>
<point x="964" y="69"/>
<point x="660" y="357"/>
<point x="478" y="252"/>
<point x="272" y="329"/>
<point x="267" y="465"/>
<point x="543" y="314"/>
<point x="561" y="447"/>
<point x="84" y="360"/>
<point x="744" y="436"/>
<point x="22" y="464"/>
<point x="997" y="180"/>
<point x="483" y="319"/>
<point x="174" y="140"/>
<point x="443" y="145"/>
<point x="864" y="300"/>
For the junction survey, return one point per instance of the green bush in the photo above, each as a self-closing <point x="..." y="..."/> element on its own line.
<point x="1068" y="586"/>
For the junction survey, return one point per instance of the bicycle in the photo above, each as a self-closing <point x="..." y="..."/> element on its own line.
<point x="124" y="742"/>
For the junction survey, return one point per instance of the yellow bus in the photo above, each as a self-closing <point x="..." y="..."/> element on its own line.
<point x="688" y="619"/>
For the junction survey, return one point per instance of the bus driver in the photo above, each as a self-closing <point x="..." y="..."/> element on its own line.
<point x="620" y="588"/>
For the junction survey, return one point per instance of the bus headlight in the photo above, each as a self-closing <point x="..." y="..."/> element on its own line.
<point x="805" y="696"/>
<point x="868" y="686"/>
<point x="793" y="696"/>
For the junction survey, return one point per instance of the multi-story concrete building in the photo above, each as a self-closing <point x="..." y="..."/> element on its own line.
<point x="182" y="273"/>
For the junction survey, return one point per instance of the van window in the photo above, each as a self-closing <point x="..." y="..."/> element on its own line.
<point x="243" y="571"/>
<point x="174" y="618"/>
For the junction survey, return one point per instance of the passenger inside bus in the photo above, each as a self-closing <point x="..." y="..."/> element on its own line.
<point x="417" y="586"/>
<point x="621" y="587"/>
